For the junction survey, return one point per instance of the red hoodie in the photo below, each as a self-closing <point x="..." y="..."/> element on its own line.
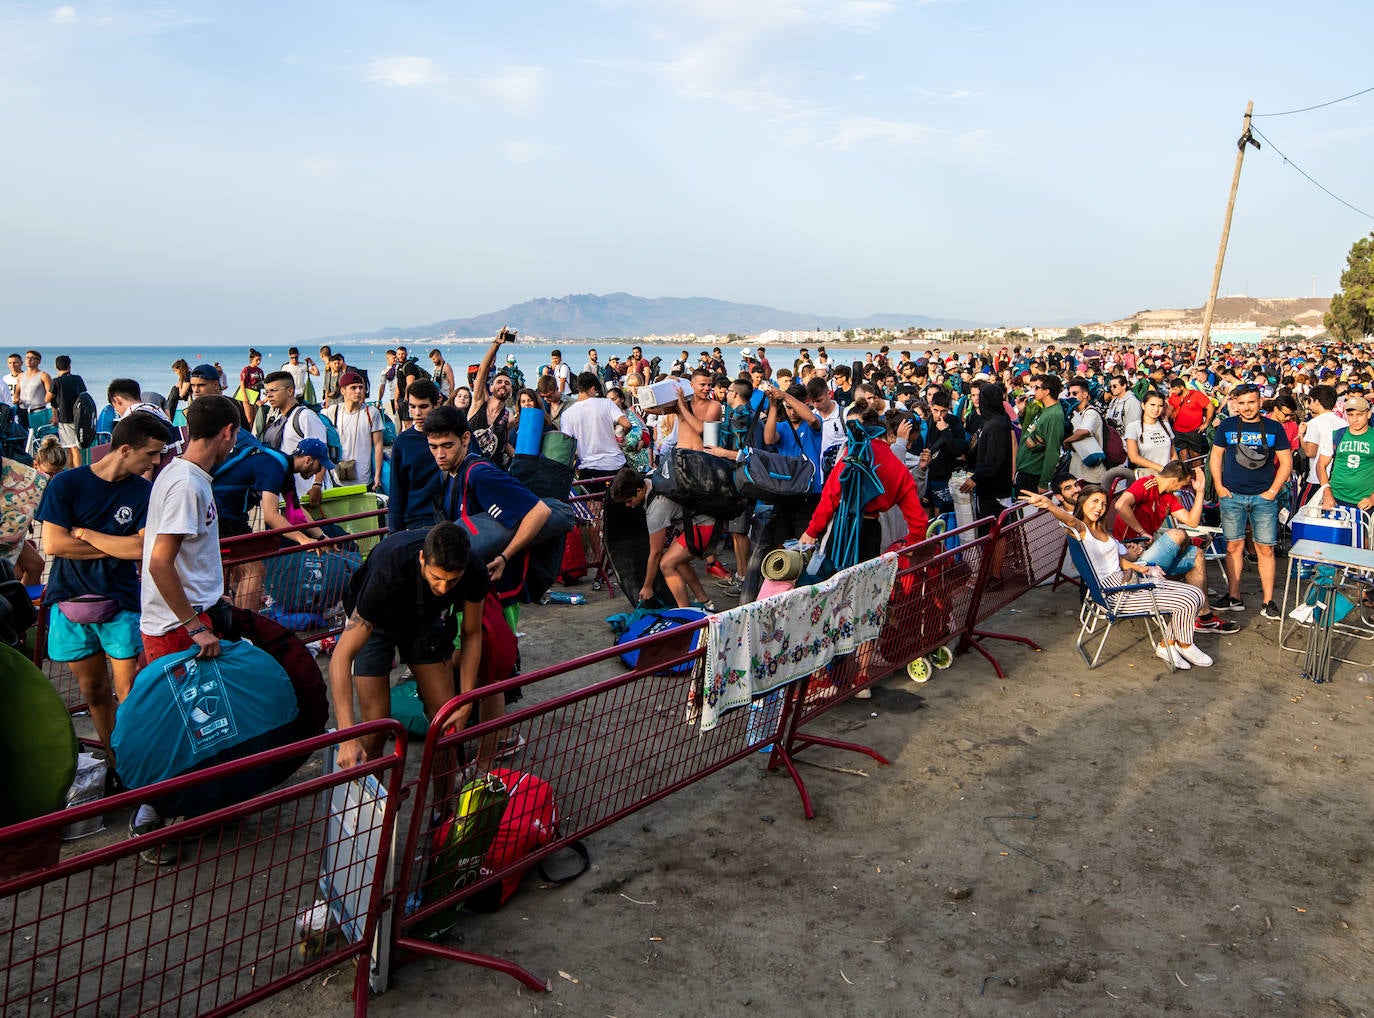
<point x="898" y="489"/>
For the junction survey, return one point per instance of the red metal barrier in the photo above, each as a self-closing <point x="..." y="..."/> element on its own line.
<point x="608" y="749"/>
<point x="297" y="584"/>
<point x="589" y="510"/>
<point x="106" y="933"/>
<point x="1028" y="548"/>
<point x="932" y="605"/>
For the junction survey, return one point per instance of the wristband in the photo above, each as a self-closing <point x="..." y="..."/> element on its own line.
<point x="188" y="619"/>
<point x="79" y="533"/>
<point x="197" y="631"/>
<point x="502" y="556"/>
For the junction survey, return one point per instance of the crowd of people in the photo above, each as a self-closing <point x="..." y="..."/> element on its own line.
<point x="1131" y="445"/>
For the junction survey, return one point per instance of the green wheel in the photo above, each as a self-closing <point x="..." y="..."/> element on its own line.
<point x="919" y="670"/>
<point x="942" y="658"/>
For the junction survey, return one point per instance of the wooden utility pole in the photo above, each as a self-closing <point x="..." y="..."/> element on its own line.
<point x="1245" y="139"/>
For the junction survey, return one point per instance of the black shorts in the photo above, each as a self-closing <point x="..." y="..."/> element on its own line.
<point x="431" y="647"/>
<point x="232" y="528"/>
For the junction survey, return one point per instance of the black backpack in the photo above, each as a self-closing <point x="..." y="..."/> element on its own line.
<point x="17" y="615"/>
<point x="699" y="482"/>
<point x="86" y="415"/>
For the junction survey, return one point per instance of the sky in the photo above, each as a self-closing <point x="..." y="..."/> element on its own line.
<point x="276" y="172"/>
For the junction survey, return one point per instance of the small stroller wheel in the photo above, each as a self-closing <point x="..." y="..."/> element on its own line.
<point x="942" y="658"/>
<point x="919" y="670"/>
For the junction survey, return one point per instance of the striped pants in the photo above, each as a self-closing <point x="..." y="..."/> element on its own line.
<point x="1179" y="603"/>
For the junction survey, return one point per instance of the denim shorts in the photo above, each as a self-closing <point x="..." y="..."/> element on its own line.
<point x="1169" y="555"/>
<point x="1262" y="514"/>
<point x="75" y="641"/>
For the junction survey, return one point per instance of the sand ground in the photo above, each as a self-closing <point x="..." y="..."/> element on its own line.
<point x="1123" y="841"/>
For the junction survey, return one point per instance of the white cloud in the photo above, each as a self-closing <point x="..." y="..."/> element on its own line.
<point x="404" y="72"/>
<point x="855" y="132"/>
<point x="64" y="15"/>
<point x="517" y="87"/>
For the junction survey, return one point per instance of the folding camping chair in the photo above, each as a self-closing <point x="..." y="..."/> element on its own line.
<point x="1102" y="605"/>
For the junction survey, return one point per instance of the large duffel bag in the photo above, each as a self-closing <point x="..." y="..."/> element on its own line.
<point x="187" y="713"/>
<point x="771" y="476"/>
<point x="310" y="581"/>
<point x="700" y="482"/>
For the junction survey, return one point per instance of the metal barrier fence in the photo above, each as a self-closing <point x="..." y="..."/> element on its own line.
<point x="589" y="509"/>
<point x="1027" y="549"/>
<point x="300" y="586"/>
<point x="105" y="932"/>
<point x="607" y="750"/>
<point x="106" y="926"/>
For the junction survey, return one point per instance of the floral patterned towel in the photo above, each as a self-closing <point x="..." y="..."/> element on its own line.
<point x="757" y="647"/>
<point x="21" y="489"/>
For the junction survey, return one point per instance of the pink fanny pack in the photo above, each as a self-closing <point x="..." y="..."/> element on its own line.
<point x="89" y="609"/>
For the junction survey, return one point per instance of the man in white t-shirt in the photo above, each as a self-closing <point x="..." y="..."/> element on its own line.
<point x="592" y="421"/>
<point x="1325" y="422"/>
<point x="562" y="374"/>
<point x="300" y="373"/>
<point x="288" y="424"/>
<point x="183" y="579"/>
<point x="1086" y="435"/>
<point x="9" y="384"/>
<point x="360" y="431"/>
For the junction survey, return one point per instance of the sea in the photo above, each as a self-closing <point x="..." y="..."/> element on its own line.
<point x="151" y="366"/>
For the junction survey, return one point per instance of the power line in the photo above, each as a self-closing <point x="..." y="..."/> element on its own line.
<point x="1308" y="109"/>
<point x="1309" y="176"/>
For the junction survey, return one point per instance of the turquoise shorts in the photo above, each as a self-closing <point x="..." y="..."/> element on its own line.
<point x="75" y="641"/>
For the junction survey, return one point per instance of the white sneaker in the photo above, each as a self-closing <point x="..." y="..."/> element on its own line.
<point x="1194" y="655"/>
<point x="1171" y="655"/>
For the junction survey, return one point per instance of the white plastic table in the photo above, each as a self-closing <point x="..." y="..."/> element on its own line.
<point x="1316" y="553"/>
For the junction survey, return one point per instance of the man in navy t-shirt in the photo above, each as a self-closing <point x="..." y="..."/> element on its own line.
<point x="503" y="517"/>
<point x="415" y="479"/>
<point x="93" y="521"/>
<point x="1251" y="461"/>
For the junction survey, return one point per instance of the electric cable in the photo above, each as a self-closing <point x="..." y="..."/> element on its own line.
<point x="1295" y="166"/>
<point x="1308" y="109"/>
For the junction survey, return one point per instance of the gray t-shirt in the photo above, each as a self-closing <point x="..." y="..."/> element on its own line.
<point x="662" y="512"/>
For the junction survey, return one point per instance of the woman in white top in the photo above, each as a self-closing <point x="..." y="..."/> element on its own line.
<point x="1150" y="443"/>
<point x="1179" y="603"/>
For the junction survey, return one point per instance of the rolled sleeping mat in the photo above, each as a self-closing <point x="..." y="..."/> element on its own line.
<point x="783" y="564"/>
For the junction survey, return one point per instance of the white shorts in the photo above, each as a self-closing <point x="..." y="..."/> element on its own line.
<point x="66" y="436"/>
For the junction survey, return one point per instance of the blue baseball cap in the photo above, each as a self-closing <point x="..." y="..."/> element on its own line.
<point x="316" y="450"/>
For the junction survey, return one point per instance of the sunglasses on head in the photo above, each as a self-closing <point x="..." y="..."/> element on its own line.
<point x="1245" y="390"/>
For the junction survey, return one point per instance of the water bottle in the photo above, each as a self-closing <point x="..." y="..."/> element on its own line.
<point x="763" y="719"/>
<point x="1156" y="573"/>
<point x="562" y="597"/>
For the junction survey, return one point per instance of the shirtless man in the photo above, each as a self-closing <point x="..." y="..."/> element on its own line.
<point x="701" y="410"/>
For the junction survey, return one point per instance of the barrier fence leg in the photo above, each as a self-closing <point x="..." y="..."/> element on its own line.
<point x="787" y="729"/>
<point x="971" y="639"/>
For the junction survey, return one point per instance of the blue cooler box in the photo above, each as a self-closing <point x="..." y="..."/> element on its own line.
<point x="1327" y="526"/>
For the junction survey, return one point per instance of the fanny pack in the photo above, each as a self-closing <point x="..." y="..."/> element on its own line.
<point x="1252" y="456"/>
<point x="89" y="609"/>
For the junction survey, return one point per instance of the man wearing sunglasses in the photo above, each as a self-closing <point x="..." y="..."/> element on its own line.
<point x="1251" y="461"/>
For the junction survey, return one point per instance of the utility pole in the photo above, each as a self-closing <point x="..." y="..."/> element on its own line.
<point x="1245" y="139"/>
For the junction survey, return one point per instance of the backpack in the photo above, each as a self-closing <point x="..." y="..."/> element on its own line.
<point x="334" y="440"/>
<point x="86" y="414"/>
<point x="272" y="434"/>
<point x="699" y="482"/>
<point x="528" y="823"/>
<point x="244" y="448"/>
<point x="770" y="476"/>
<point x="1113" y="446"/>
<point x="658" y="621"/>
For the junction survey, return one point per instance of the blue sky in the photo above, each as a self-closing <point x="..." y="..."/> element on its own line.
<point x="280" y="171"/>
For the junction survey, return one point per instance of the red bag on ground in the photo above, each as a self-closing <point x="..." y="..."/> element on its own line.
<point x="528" y="824"/>
<point x="574" y="565"/>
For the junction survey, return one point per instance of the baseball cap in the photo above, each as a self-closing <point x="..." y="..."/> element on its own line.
<point x="349" y="378"/>
<point x="205" y="371"/>
<point x="316" y="450"/>
<point x="1356" y="403"/>
<point x="510" y="358"/>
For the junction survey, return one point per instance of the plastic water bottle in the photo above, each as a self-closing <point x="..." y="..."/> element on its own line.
<point x="1156" y="573"/>
<point x="763" y="719"/>
<point x="562" y="597"/>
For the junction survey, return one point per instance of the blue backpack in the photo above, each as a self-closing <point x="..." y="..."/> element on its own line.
<point x="660" y="621"/>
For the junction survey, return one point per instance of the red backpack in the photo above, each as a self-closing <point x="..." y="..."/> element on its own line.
<point x="529" y="822"/>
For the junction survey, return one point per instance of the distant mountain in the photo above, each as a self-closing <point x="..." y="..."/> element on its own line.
<point x="597" y="316"/>
<point x="1265" y="312"/>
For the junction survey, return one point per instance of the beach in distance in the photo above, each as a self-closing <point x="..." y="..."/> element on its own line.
<point x="152" y="365"/>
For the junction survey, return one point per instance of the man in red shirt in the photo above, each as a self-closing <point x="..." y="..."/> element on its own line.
<point x="1190" y="412"/>
<point x="1148" y="510"/>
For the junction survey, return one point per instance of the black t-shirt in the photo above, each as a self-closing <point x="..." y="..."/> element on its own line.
<point x="65" y="389"/>
<point x="391" y="593"/>
<point x="80" y="498"/>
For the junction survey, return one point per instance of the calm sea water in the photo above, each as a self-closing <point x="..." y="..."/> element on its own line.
<point x="152" y="365"/>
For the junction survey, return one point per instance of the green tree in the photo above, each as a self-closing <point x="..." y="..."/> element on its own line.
<point x="1074" y="335"/>
<point x="1134" y="330"/>
<point x="1351" y="315"/>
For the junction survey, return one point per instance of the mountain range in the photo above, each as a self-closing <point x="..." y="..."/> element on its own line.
<point x="598" y="316"/>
